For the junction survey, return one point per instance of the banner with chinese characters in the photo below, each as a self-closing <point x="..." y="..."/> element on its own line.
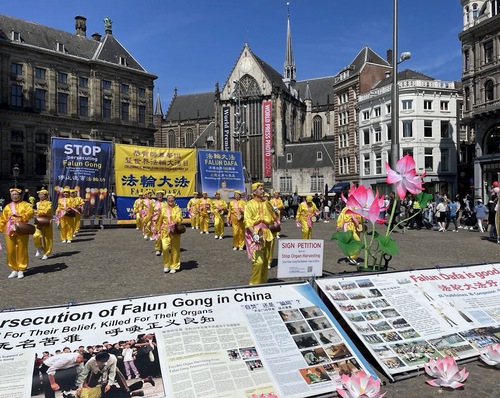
<point x="405" y="318"/>
<point x="271" y="341"/>
<point x="140" y="169"/>
<point x="220" y="171"/>
<point x="85" y="166"/>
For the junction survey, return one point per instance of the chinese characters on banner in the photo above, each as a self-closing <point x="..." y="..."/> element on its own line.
<point x="82" y="165"/>
<point x="140" y="169"/>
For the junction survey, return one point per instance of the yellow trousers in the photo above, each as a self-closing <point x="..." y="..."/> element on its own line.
<point x="66" y="228"/>
<point x="171" y="244"/>
<point x="260" y="262"/>
<point x="219" y="224"/>
<point x="204" y="222"/>
<point x="138" y="221"/>
<point x="306" y="231"/>
<point x="238" y="234"/>
<point x="195" y="221"/>
<point x="44" y="239"/>
<point x="17" y="251"/>
<point x="76" y="224"/>
<point x="271" y="252"/>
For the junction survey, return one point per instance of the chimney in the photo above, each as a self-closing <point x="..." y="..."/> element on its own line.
<point x="96" y="36"/>
<point x="81" y="26"/>
<point x="389" y="56"/>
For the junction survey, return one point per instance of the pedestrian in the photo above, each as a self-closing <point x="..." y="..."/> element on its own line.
<point x="306" y="216"/>
<point x="44" y="236"/>
<point x="192" y="207"/>
<point x="136" y="211"/>
<point x="218" y="208"/>
<point x="157" y="207"/>
<point x="170" y="235"/>
<point x="354" y="223"/>
<point x="259" y="216"/>
<point x="236" y="212"/>
<point x="15" y="213"/>
<point x="204" y="211"/>
<point x="452" y="215"/>
<point x="492" y="204"/>
<point x="481" y="212"/>
<point x="78" y="204"/>
<point x="441" y="214"/>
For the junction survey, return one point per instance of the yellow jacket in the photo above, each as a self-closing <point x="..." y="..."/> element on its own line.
<point x="260" y="212"/>
<point x="23" y="211"/>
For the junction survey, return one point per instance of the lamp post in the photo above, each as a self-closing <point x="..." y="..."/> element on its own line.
<point x="15" y="173"/>
<point x="395" y="88"/>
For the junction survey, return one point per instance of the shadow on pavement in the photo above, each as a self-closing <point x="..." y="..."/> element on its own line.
<point x="45" y="269"/>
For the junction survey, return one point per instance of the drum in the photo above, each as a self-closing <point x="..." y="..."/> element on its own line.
<point x="23" y="228"/>
<point x="314" y="219"/>
<point x="179" y="229"/>
<point x="70" y="213"/>
<point x="275" y="228"/>
<point x="43" y="221"/>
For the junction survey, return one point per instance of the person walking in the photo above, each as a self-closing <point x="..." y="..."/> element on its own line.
<point x="136" y="211"/>
<point x="204" y="210"/>
<point x="452" y="215"/>
<point x="171" y="216"/>
<point x="65" y="214"/>
<point x="306" y="216"/>
<point x="236" y="212"/>
<point x="157" y="206"/>
<point x="192" y="207"/>
<point x="481" y="213"/>
<point x="78" y="204"/>
<point x="43" y="238"/>
<point x="219" y="210"/>
<point x="441" y="214"/>
<point x="17" y="211"/>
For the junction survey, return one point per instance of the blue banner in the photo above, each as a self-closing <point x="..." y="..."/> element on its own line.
<point x="220" y="171"/>
<point x="85" y="166"/>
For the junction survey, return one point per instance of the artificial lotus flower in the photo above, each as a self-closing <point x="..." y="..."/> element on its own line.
<point x="446" y="373"/>
<point x="405" y="177"/>
<point x="491" y="355"/>
<point x="360" y="385"/>
<point x="361" y="201"/>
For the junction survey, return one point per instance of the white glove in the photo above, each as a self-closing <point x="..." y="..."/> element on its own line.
<point x="256" y="238"/>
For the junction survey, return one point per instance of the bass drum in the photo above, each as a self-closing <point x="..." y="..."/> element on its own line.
<point x="179" y="229"/>
<point x="23" y="228"/>
<point x="43" y="221"/>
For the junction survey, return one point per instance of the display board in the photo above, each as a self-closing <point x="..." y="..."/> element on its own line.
<point x="405" y="318"/>
<point x="241" y="342"/>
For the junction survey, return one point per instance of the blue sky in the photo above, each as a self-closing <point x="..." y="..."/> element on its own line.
<point x="192" y="44"/>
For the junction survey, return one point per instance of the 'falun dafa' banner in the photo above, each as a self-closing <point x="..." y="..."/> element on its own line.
<point x="140" y="169"/>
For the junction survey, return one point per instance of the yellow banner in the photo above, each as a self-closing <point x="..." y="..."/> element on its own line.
<point x="140" y="169"/>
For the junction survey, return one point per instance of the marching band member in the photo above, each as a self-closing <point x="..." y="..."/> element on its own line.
<point x="44" y="235"/>
<point x="219" y="209"/>
<point x="236" y="212"/>
<point x="278" y="207"/>
<point x="171" y="215"/>
<point x="157" y="207"/>
<point x="136" y="211"/>
<point x="146" y="214"/>
<point x="193" y="211"/>
<point x="259" y="216"/>
<point x="306" y="215"/>
<point x="17" y="245"/>
<point x="65" y="214"/>
<point x="78" y="204"/>
<point x="204" y="210"/>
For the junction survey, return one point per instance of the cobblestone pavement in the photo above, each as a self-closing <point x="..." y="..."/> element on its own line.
<point x="116" y="262"/>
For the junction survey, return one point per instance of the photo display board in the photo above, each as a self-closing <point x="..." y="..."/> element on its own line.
<point x="242" y="342"/>
<point x="405" y="318"/>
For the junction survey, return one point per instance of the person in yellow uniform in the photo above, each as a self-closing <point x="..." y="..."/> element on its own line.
<point x="65" y="213"/>
<point x="204" y="210"/>
<point x="157" y="206"/>
<point x="146" y="215"/>
<point x="275" y="234"/>
<point x="278" y="206"/>
<point x="44" y="235"/>
<point x="306" y="213"/>
<point x="350" y="222"/>
<point x="171" y="215"/>
<point x="78" y="204"/>
<point x="194" y="215"/>
<point x="259" y="216"/>
<point x="236" y="212"/>
<point x="219" y="210"/>
<point x="136" y="211"/>
<point x="17" y="245"/>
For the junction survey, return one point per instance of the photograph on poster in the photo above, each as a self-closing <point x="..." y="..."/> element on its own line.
<point x="363" y="327"/>
<point x="372" y="338"/>
<point x="364" y="283"/>
<point x="305" y="340"/>
<point x="315" y="375"/>
<point x="315" y="356"/>
<point x="409" y="334"/>
<point x="393" y="363"/>
<point x="355" y="294"/>
<point x="248" y="352"/>
<point x="389" y="313"/>
<point x="363" y="305"/>
<point x="290" y="315"/>
<point x="452" y="345"/>
<point x="298" y="327"/>
<point x="391" y="336"/>
<point x="337" y="351"/>
<point x="327" y="336"/>
<point x="346" y="367"/>
<point x="481" y="337"/>
<point x="233" y="355"/>
<point x="372" y="315"/>
<point x="384" y="351"/>
<point x="415" y="352"/>
<point x="311" y="312"/>
<point x="254" y="365"/>
<point x="347" y="307"/>
<point x="348" y="285"/>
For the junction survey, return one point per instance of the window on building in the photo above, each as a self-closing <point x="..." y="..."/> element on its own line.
<point x="189" y="137"/>
<point x="41" y="138"/>
<point x="141" y="114"/>
<point x="467" y="60"/>
<point x="125" y="89"/>
<point x="319" y="155"/>
<point x="122" y="61"/>
<point x="16" y="136"/>
<point x="62" y="77"/>
<point x="40" y="164"/>
<point x="408" y="151"/>
<point x="366" y="164"/>
<point x="141" y="92"/>
<point x="445" y="160"/>
<point x="444" y="105"/>
<point x="288" y="157"/>
<point x="343" y="98"/>
<point x="40" y="73"/>
<point x="286" y="184"/>
<point x="83" y="106"/>
<point x="17" y="158"/>
<point x="60" y="47"/>
<point x="83" y="82"/>
<point x="428" y="159"/>
<point x="377" y="134"/>
<point x="106" y="108"/>
<point x="106" y="84"/>
<point x="62" y="103"/>
<point x="16" y="69"/>
<point x="15" y="36"/>
<point x="488" y="91"/>
<point x="389" y="132"/>
<point x="378" y="163"/>
<point x="428" y="105"/>
<point x="366" y="137"/>
<point x="317" y="183"/>
<point x="40" y="99"/>
<point x="16" y="95"/>
<point x="366" y="115"/>
<point x="125" y="106"/>
<point x="467" y="98"/>
<point x="317" y="128"/>
<point x="428" y="128"/>
<point x="407" y="104"/>
<point x="388" y="109"/>
<point x="344" y="165"/>
<point x="488" y="51"/>
<point x="407" y="128"/>
<point x="376" y="111"/>
<point x="492" y="142"/>
<point x="445" y="129"/>
<point x="171" y="139"/>
<point x="343" y="140"/>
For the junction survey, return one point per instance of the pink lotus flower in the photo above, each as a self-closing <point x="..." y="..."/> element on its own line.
<point x="491" y="355"/>
<point x="446" y="373"/>
<point x="360" y="385"/>
<point x="405" y="177"/>
<point x="361" y="201"/>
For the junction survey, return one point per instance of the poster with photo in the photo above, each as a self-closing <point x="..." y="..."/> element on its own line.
<point x="405" y="318"/>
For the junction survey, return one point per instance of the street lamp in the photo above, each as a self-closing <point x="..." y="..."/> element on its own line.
<point x="15" y="173"/>
<point x="395" y="89"/>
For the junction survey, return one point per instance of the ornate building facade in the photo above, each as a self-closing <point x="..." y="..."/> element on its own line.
<point x="59" y="84"/>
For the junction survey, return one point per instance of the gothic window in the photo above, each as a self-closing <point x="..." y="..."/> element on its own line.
<point x="317" y="128"/>
<point x="189" y="138"/>
<point x="488" y="91"/>
<point x="171" y="139"/>
<point x="247" y="86"/>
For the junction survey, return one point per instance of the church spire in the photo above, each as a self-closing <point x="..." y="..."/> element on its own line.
<point x="289" y="74"/>
<point x="158" y="110"/>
